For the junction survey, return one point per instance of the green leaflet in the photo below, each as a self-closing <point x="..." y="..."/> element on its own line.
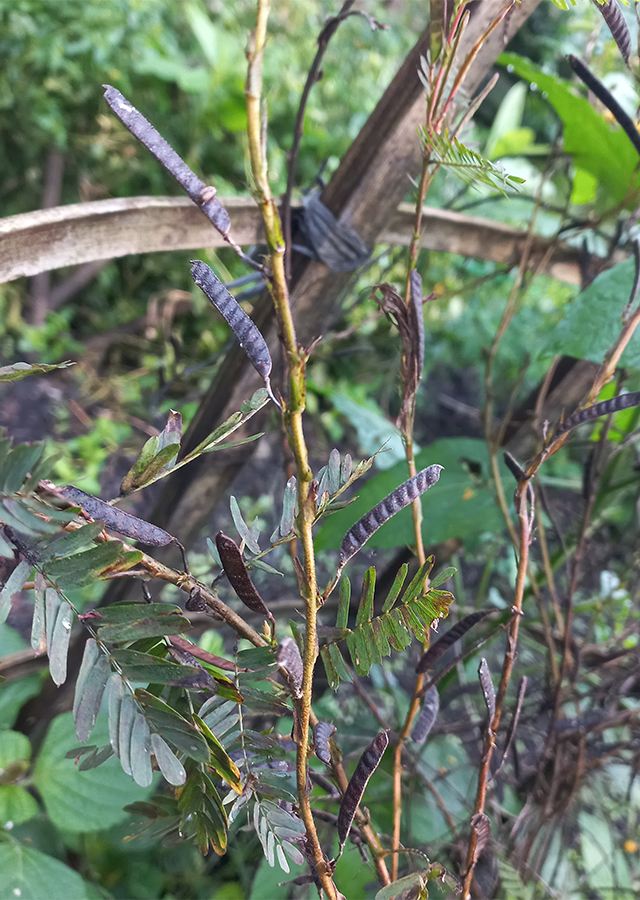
<point x="220" y="759"/>
<point x="13" y="584"/>
<point x="144" y="667"/>
<point x="144" y="627"/>
<point x="82" y="568"/>
<point x="92" y="680"/>
<point x="372" y="639"/>
<point x="173" y="728"/>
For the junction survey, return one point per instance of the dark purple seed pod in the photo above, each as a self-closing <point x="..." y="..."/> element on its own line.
<point x="122" y="522"/>
<point x="321" y="734"/>
<point x="427" y="717"/>
<point x="360" y="533"/>
<point x="248" y="334"/>
<point x="418" y="319"/>
<point x="622" y="118"/>
<point x="290" y="663"/>
<point x="202" y="195"/>
<point x="439" y="648"/>
<point x="488" y="689"/>
<point x="367" y="765"/>
<point x="614" y="405"/>
<point x="612" y="14"/>
<point x="236" y="572"/>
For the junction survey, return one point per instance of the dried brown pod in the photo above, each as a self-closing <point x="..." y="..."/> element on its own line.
<point x="367" y="765"/>
<point x="427" y="717"/>
<point x="122" y="522"/>
<point x="488" y="690"/>
<point x="360" y="533"/>
<point x="290" y="663"/>
<point x="236" y="572"/>
<point x="482" y="828"/>
<point x="251" y="340"/>
<point x="439" y="647"/>
<point x="321" y="734"/>
<point x="615" y="404"/>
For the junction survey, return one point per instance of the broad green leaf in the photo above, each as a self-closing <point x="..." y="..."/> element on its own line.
<point x="459" y="506"/>
<point x="12" y="586"/>
<point x="59" y="645"/>
<point x="373" y="428"/>
<point x="92" y="680"/>
<point x="82" y="801"/>
<point x="14" y="694"/>
<point x="28" y="874"/>
<point x="592" y="322"/>
<point x="16" y="805"/>
<point x="588" y="138"/>
<point x="170" y="766"/>
<point x="403" y="885"/>
<point x="14" y="746"/>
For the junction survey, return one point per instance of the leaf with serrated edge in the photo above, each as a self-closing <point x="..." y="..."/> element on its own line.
<point x="172" y="769"/>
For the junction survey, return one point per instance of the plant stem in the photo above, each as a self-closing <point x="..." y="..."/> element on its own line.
<point x="293" y="410"/>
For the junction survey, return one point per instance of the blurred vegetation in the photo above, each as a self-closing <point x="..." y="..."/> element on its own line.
<point x="565" y="813"/>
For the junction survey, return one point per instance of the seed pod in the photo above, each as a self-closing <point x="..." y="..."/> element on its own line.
<point x="367" y="765"/>
<point x="321" y="734"/>
<point x="418" y="320"/>
<point x="622" y="118"/>
<point x="238" y="576"/>
<point x="290" y="662"/>
<point x="335" y="244"/>
<point x="251" y="340"/>
<point x="438" y="649"/>
<point x="122" y="522"/>
<point x="427" y="717"/>
<point x="481" y="825"/>
<point x="142" y="129"/>
<point x="487" y="688"/>
<point x="615" y="404"/>
<point x="612" y="14"/>
<point x="360" y="533"/>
